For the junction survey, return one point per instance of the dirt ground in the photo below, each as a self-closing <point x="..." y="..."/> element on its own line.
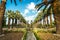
<point x="12" y="36"/>
<point x="48" y="36"/>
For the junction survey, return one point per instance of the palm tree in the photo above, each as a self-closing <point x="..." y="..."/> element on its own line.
<point x="51" y="18"/>
<point x="55" y="5"/>
<point x="38" y="19"/>
<point x="9" y="17"/>
<point x="2" y="9"/>
<point x="17" y="16"/>
<point x="12" y="17"/>
<point x="44" y="21"/>
<point x="46" y="18"/>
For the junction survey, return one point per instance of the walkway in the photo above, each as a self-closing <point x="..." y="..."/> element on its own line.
<point x="30" y="36"/>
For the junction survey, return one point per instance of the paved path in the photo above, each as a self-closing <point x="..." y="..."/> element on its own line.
<point x="30" y="36"/>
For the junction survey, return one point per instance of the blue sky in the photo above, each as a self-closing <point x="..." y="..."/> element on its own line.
<point x="26" y="8"/>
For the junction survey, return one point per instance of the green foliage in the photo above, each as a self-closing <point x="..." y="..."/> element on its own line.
<point x="15" y="15"/>
<point x="43" y="31"/>
<point x="25" y="35"/>
<point x="37" y="38"/>
<point x="50" y="30"/>
<point x="15" y="31"/>
<point x="20" y="17"/>
<point x="39" y="17"/>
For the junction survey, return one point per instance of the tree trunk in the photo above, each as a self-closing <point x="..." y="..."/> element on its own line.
<point x="51" y="18"/>
<point x="2" y="10"/>
<point x="47" y="22"/>
<point x="43" y="22"/>
<point x="9" y="23"/>
<point x="56" y="9"/>
<point x="15" y="22"/>
<point x="12" y="23"/>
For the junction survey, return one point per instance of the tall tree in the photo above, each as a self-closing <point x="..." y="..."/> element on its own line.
<point x="55" y="5"/>
<point x="51" y="18"/>
<point x="9" y="17"/>
<point x="12" y="17"/>
<point x="17" y="16"/>
<point x="2" y="10"/>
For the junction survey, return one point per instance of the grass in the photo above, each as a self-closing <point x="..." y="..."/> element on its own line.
<point x="15" y="30"/>
<point x="50" y="30"/>
<point x="37" y="38"/>
<point x="25" y="35"/>
<point x="39" y="33"/>
<point x="44" y="34"/>
<point x="47" y="36"/>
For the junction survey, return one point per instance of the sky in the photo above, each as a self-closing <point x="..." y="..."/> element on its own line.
<point x="26" y="8"/>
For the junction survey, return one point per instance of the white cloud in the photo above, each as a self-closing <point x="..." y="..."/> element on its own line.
<point x="31" y="6"/>
<point x="26" y="11"/>
<point x="39" y="11"/>
<point x="29" y="18"/>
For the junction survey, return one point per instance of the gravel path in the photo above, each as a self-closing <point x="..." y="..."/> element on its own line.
<point x="30" y="36"/>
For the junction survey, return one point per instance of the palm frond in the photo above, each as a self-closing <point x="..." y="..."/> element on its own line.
<point x="11" y="1"/>
<point x="45" y="8"/>
<point x="51" y="1"/>
<point x="15" y="2"/>
<point x="48" y="11"/>
<point x="40" y="7"/>
<point x="36" y="0"/>
<point x="20" y="0"/>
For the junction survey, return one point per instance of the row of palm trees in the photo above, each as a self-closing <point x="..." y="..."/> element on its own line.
<point x="2" y="11"/>
<point x="14" y="16"/>
<point x="55" y="6"/>
<point x="42" y="18"/>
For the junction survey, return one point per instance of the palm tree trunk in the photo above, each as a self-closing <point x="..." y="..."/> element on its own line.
<point x="2" y="10"/>
<point x="12" y="23"/>
<point x="51" y="18"/>
<point x="9" y="23"/>
<point x="43" y="22"/>
<point x="57" y="21"/>
<point x="47" y="22"/>
<point x="15" y="21"/>
<point x="56" y="9"/>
